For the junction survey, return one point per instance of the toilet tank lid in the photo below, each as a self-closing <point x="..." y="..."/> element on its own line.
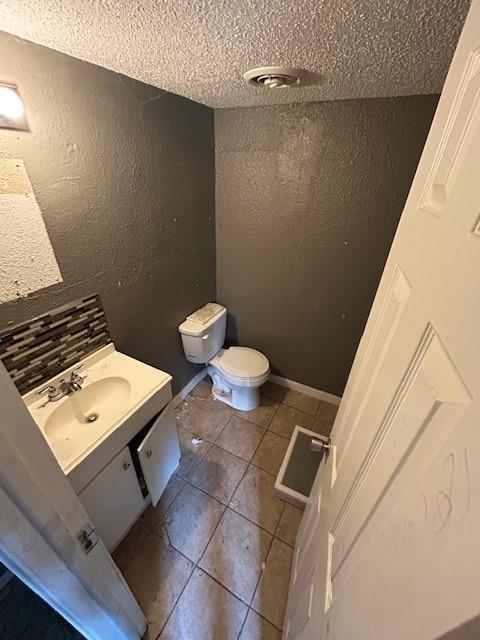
<point x="197" y="323"/>
<point x="206" y="313"/>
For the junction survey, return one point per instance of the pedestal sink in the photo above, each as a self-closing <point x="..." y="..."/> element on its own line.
<point x="89" y="409"/>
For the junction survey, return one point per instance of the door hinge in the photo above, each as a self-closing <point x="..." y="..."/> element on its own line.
<point x="88" y="538"/>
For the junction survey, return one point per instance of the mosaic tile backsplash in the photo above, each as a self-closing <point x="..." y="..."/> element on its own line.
<point x="36" y="350"/>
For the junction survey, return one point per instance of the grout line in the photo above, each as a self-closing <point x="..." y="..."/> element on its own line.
<point x="214" y="444"/>
<point x="239" y="635"/>
<point x="175" y="605"/>
<point x="196" y="565"/>
<point x="248" y="465"/>
<point x="261" y="573"/>
<point x="223" y="586"/>
<point x="260" y="616"/>
<point x="194" y="468"/>
<point x="211" y="536"/>
<point x="252" y="464"/>
<point x="239" y="482"/>
<point x="223" y="428"/>
<point x="227" y="506"/>
<point x="163" y="517"/>
<point x="234" y="454"/>
<point x="236" y="485"/>
<point x="251" y="521"/>
<point x="279" y="520"/>
<point x="205" y="492"/>
<point x="248" y="461"/>
<point x="304" y="411"/>
<point x="266" y="619"/>
<point x="274" y="416"/>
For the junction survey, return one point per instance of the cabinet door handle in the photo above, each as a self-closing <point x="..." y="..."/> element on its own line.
<point x="148" y="453"/>
<point x="126" y="465"/>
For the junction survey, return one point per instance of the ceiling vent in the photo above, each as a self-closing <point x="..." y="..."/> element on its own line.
<point x="274" y="77"/>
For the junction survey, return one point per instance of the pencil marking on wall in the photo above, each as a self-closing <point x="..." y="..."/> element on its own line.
<point x="425" y="506"/>
<point x="444" y="510"/>
<point x="468" y="488"/>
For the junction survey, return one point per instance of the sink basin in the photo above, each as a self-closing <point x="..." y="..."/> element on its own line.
<point x="89" y="409"/>
<point x="88" y="424"/>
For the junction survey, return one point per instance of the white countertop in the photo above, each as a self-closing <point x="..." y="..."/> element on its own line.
<point x="115" y="387"/>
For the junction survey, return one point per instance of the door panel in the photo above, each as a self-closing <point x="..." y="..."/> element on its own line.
<point x="113" y="499"/>
<point x="388" y="546"/>
<point x="305" y="535"/>
<point x="382" y="336"/>
<point x="459" y="134"/>
<point x="311" y="572"/>
<point x="159" y="453"/>
<point x="430" y="529"/>
<point x="429" y="382"/>
<point x="432" y="406"/>
<point x="301" y="614"/>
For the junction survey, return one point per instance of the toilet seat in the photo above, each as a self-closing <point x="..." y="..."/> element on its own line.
<point x="242" y="366"/>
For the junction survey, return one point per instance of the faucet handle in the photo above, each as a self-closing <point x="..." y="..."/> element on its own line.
<point x="75" y="369"/>
<point x="76" y="378"/>
<point x="49" y="389"/>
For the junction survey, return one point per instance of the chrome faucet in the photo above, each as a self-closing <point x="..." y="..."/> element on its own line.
<point x="75" y="381"/>
<point x="64" y="387"/>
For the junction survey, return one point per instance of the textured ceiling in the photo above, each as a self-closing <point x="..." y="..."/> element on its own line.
<point x="200" y="48"/>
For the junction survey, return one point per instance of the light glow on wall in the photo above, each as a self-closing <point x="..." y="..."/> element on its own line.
<point x="12" y="111"/>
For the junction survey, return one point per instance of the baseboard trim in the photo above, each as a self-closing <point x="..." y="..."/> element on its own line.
<point x="303" y="388"/>
<point x="183" y="393"/>
<point x="283" y="382"/>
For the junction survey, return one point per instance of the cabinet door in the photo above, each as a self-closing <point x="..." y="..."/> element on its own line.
<point x="113" y="499"/>
<point x="159" y="453"/>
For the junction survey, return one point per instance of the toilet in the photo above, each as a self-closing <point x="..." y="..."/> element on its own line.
<point x="237" y="372"/>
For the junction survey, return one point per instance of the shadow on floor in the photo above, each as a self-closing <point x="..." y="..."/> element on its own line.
<point x="25" y="616"/>
<point x="212" y="559"/>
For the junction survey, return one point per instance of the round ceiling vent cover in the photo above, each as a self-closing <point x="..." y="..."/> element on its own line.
<point x="274" y="77"/>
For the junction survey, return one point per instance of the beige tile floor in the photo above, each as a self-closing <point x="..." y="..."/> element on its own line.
<point x="212" y="561"/>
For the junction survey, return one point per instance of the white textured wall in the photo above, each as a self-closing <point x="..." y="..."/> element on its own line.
<point x="27" y="260"/>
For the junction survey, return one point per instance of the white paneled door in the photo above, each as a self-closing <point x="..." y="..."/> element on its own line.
<point x="389" y="546"/>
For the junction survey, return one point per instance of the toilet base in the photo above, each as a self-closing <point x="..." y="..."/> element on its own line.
<point x="241" y="398"/>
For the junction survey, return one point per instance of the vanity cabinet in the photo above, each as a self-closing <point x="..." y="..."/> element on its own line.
<point x="159" y="453"/>
<point x="116" y="496"/>
<point x="113" y="499"/>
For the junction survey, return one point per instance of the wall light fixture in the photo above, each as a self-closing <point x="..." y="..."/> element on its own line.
<point x="12" y="111"/>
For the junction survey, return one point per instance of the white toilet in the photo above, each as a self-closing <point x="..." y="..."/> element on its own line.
<point x="237" y="372"/>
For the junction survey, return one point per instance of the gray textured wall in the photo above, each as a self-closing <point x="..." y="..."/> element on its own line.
<point x="308" y="198"/>
<point x="124" y="176"/>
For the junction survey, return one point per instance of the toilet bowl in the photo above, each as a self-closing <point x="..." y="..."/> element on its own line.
<point x="237" y="372"/>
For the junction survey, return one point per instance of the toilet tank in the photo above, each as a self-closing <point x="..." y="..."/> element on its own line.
<point x="203" y="332"/>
